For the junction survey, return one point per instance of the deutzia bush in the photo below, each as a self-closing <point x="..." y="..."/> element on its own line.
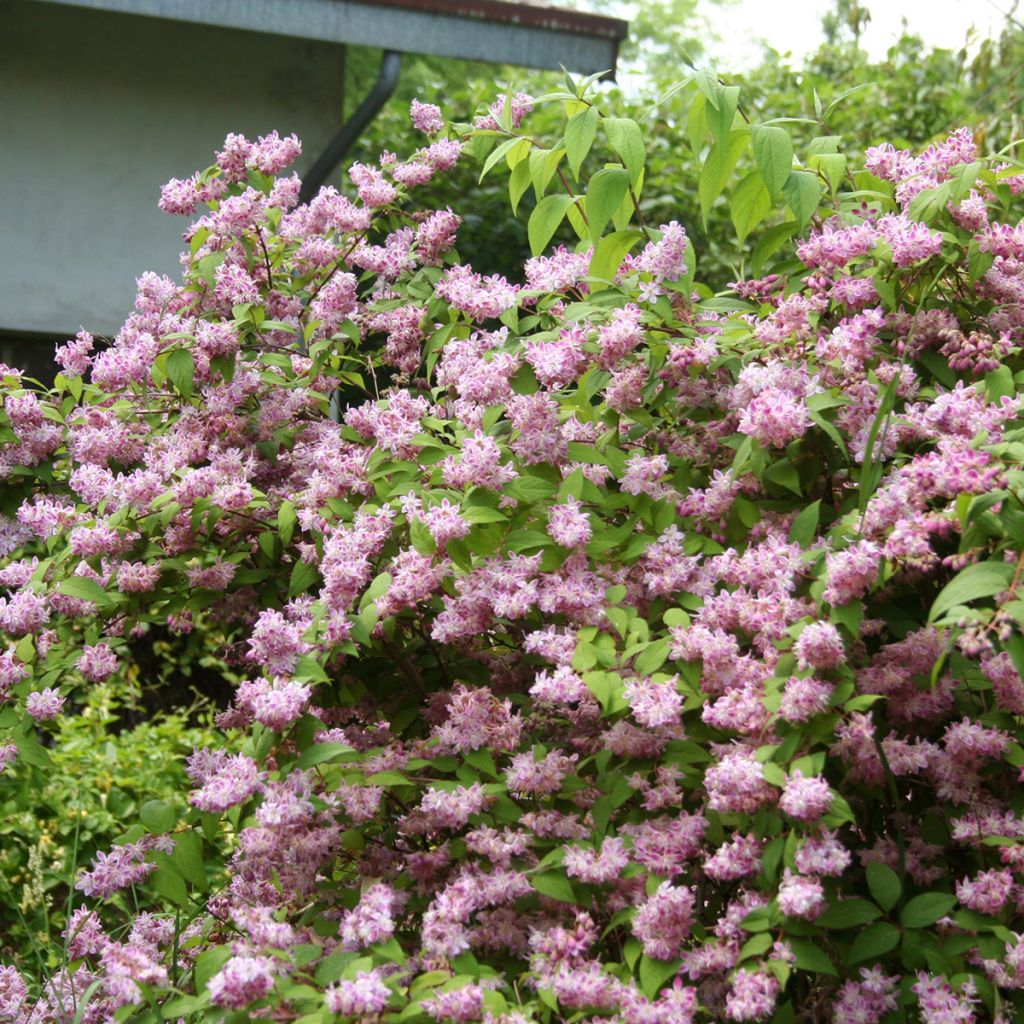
<point x="611" y="650"/>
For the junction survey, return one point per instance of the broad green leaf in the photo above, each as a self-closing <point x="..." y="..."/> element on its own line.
<point x="181" y="370"/>
<point x="388" y="778"/>
<point x="722" y="115"/>
<point x="554" y="884"/>
<point x="498" y="152"/>
<point x="605" y="193"/>
<point x="169" y="884"/>
<point x="884" y="884"/>
<point x="848" y="914"/>
<point x="769" y="243"/>
<point x="188" y="858"/>
<point x="655" y="973"/>
<point x="832" y="166"/>
<point x="157" y="816"/>
<point x="707" y="82"/>
<point x="803" y="194"/>
<point x="697" y="123"/>
<point x="758" y="920"/>
<point x="544" y="221"/>
<point x="719" y="165"/>
<point x="876" y="940"/>
<point x="810" y="957"/>
<point x="320" y="752"/>
<point x="749" y="205"/>
<point x="518" y="182"/>
<point x="926" y="909"/>
<point x="608" y="255"/>
<point x="773" y="151"/>
<point x="85" y="590"/>
<point x="303" y="577"/>
<point x="982" y="579"/>
<point x="653" y="657"/>
<point x="628" y="142"/>
<point x="579" y="137"/>
<point x="543" y="165"/>
<point x="805" y="526"/>
<point x="208" y="964"/>
<point x="286" y="520"/>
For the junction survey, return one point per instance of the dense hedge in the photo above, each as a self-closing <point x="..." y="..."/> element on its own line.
<point x="613" y="650"/>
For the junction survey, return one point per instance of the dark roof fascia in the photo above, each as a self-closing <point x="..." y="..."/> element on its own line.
<point x="521" y="34"/>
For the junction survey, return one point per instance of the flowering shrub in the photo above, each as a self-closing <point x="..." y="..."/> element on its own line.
<point x="610" y="650"/>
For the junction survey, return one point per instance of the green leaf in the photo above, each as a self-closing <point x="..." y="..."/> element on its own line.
<point x="388" y="778"/>
<point x="832" y="166"/>
<point x="85" y="590"/>
<point x="982" y="579"/>
<point x="848" y="914"/>
<point x="875" y="941"/>
<point x="884" y="884"/>
<point x="803" y="194"/>
<point x="773" y="152"/>
<point x="758" y="920"/>
<point x="785" y="475"/>
<point x="157" y="816"/>
<point x="208" y="964"/>
<point x="181" y="370"/>
<point x="188" y="858"/>
<point x="655" y="973"/>
<point x="544" y="221"/>
<point x="605" y="193"/>
<point x="543" y="164"/>
<point x="722" y="113"/>
<point x="608" y="255"/>
<point x="498" y="152"/>
<point x="926" y="909"/>
<point x="810" y="957"/>
<point x="518" y="183"/>
<point x="805" y="526"/>
<point x="653" y="657"/>
<point x="719" y="165"/>
<point x="769" y="243"/>
<point x="286" y="520"/>
<point x="303" y="577"/>
<point x="756" y="945"/>
<point x="749" y="205"/>
<point x="320" y="752"/>
<point x="169" y="884"/>
<point x="579" y="137"/>
<point x="555" y="885"/>
<point x="628" y="142"/>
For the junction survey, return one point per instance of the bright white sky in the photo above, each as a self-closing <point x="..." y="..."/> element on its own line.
<point x="796" y="24"/>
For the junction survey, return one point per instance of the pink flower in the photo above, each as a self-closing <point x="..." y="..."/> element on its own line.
<point x="97" y="663"/>
<point x="653" y="703"/>
<point x="596" y="866"/>
<point x="44" y="704"/>
<point x="242" y="980"/>
<point x="819" y="646"/>
<point x="987" y="892"/>
<point x="663" y="921"/>
<point x="426" y="117"/>
<point x="775" y="417"/>
<point x="805" y="799"/>
<point x="751" y="996"/>
<point x="365" y="995"/>
<point x="800" y="896"/>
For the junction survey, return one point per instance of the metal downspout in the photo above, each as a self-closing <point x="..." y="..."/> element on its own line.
<point x="387" y="79"/>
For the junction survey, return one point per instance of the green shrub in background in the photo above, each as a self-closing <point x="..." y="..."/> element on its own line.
<point x="56" y="814"/>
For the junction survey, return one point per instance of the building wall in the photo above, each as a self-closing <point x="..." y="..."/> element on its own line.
<point x="97" y="110"/>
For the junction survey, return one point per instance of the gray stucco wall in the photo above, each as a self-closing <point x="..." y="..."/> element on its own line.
<point x="97" y="111"/>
